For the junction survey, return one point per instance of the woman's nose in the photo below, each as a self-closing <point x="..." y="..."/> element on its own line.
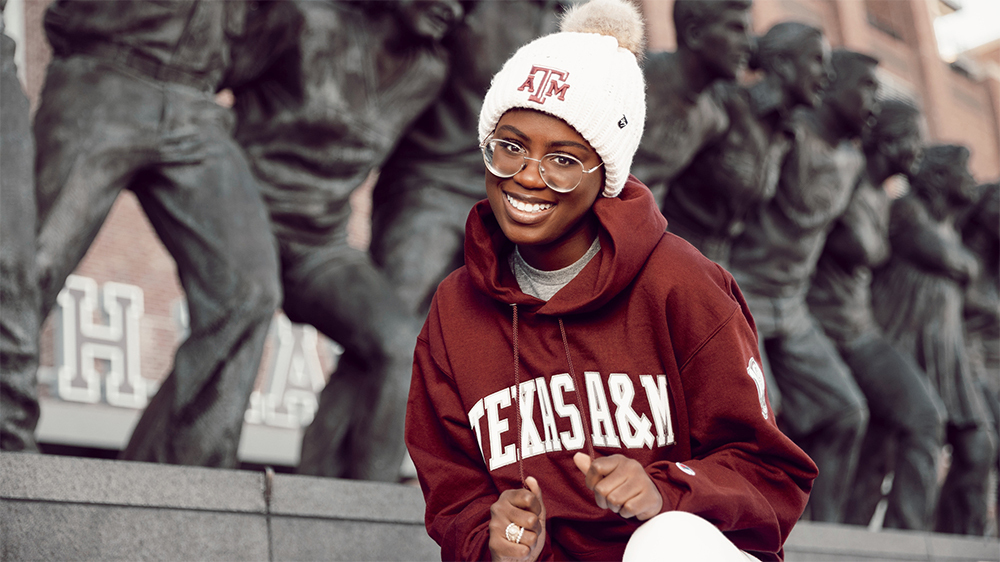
<point x="530" y="175"/>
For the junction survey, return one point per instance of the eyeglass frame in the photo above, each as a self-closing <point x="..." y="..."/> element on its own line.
<point x="541" y="174"/>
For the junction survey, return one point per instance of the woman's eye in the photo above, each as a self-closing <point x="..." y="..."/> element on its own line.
<point x="512" y="148"/>
<point x="562" y="161"/>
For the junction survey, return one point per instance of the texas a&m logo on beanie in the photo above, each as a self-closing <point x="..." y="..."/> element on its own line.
<point x="544" y="83"/>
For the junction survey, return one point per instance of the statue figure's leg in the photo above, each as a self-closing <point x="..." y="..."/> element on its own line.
<point x="907" y="414"/>
<point x="93" y="132"/>
<point x="964" y="499"/>
<point x="94" y="128"/>
<point x="358" y="428"/>
<point x="418" y="238"/>
<point x="822" y="408"/>
<point x="206" y="208"/>
<point x="19" y="305"/>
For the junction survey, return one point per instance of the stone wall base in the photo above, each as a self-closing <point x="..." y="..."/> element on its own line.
<point x="67" y="508"/>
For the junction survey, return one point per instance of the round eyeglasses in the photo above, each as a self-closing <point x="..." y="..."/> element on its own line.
<point x="561" y="172"/>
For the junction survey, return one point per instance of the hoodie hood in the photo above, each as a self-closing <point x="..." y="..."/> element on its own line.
<point x="630" y="228"/>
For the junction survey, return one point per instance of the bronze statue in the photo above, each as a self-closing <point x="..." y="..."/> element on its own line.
<point x="820" y="406"/>
<point x="427" y="187"/>
<point x="918" y="299"/>
<point x="708" y="202"/>
<point x="685" y="112"/>
<point x="349" y="78"/>
<point x="19" y="322"/>
<point x="906" y="428"/>
<point x="980" y="230"/>
<point x="128" y="103"/>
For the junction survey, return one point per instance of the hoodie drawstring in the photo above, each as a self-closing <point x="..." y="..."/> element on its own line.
<point x="579" y="393"/>
<point x="517" y="394"/>
<point x="517" y="401"/>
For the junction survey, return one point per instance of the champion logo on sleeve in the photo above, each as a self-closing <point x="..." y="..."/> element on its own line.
<point x="753" y="369"/>
<point x="685" y="468"/>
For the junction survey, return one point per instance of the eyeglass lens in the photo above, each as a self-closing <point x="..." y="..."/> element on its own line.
<point x="558" y="171"/>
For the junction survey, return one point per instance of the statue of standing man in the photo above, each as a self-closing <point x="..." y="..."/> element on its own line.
<point x="906" y="429"/>
<point x="315" y="122"/>
<point x="822" y="408"/>
<point x="19" y="321"/>
<point x="128" y="103"/>
<point x="685" y="112"/>
<point x="709" y="201"/>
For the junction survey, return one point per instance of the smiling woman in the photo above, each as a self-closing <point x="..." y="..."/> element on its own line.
<point x="551" y="229"/>
<point x="543" y="415"/>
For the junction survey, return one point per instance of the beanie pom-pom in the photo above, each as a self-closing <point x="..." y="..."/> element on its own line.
<point x="615" y="18"/>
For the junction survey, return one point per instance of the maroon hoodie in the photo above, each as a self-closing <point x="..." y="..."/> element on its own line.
<point x="664" y="349"/>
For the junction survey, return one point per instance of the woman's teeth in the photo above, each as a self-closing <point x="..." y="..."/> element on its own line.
<point x="528" y="207"/>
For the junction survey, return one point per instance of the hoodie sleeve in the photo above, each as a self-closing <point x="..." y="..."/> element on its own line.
<point x="453" y="476"/>
<point x="744" y="476"/>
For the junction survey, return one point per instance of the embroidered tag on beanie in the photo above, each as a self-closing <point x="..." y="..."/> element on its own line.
<point x="622" y="122"/>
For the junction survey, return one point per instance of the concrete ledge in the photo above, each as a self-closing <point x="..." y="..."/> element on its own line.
<point x="101" y="482"/>
<point x="824" y="542"/>
<point x="310" y="496"/>
<point x="328" y="519"/>
<point x="67" y="508"/>
<point x="71" y="531"/>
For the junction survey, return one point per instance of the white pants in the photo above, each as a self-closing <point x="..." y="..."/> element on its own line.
<point x="678" y="535"/>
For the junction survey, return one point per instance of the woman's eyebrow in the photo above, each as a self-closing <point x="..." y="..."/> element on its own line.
<point x="556" y="144"/>
<point x="513" y="130"/>
<point x="569" y="144"/>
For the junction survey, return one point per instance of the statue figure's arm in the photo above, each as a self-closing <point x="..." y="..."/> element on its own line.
<point x="860" y="236"/>
<point x="916" y="238"/>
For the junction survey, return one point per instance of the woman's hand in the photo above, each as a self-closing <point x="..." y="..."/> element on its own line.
<point x="523" y="508"/>
<point x="622" y="485"/>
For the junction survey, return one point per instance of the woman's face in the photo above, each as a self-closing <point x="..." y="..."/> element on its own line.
<point x="812" y="71"/>
<point x="549" y="228"/>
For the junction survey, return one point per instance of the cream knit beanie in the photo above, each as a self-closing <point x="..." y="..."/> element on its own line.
<point x="588" y="75"/>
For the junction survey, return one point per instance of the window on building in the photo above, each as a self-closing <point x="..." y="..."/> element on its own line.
<point x="891" y="17"/>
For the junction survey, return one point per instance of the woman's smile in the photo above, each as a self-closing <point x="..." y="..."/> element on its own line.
<point x="526" y="209"/>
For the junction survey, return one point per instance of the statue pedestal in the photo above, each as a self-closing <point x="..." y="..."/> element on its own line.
<point x="68" y="508"/>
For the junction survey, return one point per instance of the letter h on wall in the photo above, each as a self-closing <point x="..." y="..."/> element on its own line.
<point x="82" y="342"/>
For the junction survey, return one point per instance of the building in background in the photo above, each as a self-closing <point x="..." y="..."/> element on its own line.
<point x="122" y="314"/>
